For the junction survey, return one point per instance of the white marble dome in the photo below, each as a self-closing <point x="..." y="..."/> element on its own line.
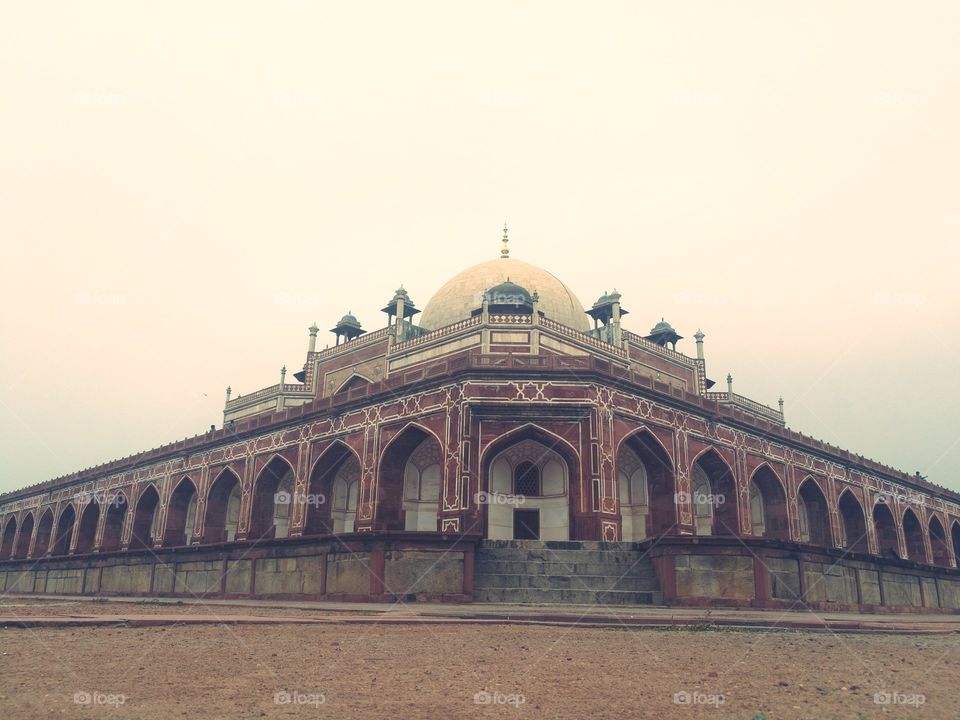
<point x="463" y="293"/>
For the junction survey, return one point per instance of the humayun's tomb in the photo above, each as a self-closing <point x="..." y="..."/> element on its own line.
<point x="502" y="444"/>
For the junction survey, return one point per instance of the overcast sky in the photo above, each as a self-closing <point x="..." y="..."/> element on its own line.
<point x="186" y="187"/>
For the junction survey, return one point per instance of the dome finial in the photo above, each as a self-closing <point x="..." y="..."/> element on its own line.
<point x="505" y="250"/>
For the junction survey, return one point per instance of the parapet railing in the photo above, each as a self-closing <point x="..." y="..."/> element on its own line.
<point x="658" y="349"/>
<point x="746" y="404"/>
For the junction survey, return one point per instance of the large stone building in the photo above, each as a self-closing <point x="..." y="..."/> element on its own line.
<point x="455" y="455"/>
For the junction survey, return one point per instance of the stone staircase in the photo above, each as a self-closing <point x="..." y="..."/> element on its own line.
<point x="580" y="573"/>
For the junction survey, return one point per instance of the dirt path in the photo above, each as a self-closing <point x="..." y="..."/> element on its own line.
<point x="439" y="670"/>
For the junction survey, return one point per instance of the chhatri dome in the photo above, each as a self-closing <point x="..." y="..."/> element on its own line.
<point x="463" y="293"/>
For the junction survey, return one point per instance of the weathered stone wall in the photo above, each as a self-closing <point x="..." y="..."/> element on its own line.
<point x="716" y="571"/>
<point x="370" y="567"/>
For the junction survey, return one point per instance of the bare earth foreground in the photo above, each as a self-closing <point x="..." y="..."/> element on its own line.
<point x="289" y="662"/>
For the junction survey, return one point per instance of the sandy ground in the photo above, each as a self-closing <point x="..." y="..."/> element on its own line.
<point x="462" y="671"/>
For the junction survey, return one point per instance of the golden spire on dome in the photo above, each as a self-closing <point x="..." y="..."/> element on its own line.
<point x="505" y="250"/>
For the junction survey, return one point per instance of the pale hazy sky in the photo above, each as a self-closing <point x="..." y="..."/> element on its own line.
<point x="185" y="187"/>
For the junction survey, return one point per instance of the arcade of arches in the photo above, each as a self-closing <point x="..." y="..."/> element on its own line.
<point x="531" y="487"/>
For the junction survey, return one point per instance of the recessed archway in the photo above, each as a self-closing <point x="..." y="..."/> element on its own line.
<point x="9" y="536"/>
<point x="272" y="501"/>
<point x="332" y="492"/>
<point x="181" y="514"/>
<point x="528" y="493"/>
<point x="913" y="536"/>
<point x="888" y="545"/>
<point x="145" y="516"/>
<point x="814" y="515"/>
<point x="223" y="509"/>
<point x="853" y="523"/>
<point x="768" y="505"/>
<point x="661" y="516"/>
<point x="87" y="532"/>
<point x="61" y="542"/>
<point x="955" y="537"/>
<point x="26" y="535"/>
<point x="938" y="542"/>
<point x="44" y="532"/>
<point x="408" y="482"/>
<point x="714" y="496"/>
<point x="113" y="522"/>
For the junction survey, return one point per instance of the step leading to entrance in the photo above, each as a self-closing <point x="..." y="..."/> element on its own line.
<point x="570" y="572"/>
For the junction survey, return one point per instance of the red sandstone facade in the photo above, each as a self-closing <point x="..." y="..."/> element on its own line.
<point x="396" y="434"/>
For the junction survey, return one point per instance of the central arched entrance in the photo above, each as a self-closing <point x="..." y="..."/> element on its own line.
<point x="527" y="487"/>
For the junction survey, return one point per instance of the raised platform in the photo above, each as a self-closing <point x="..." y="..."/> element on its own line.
<point x="585" y="573"/>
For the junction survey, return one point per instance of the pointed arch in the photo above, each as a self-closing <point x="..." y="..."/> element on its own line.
<point x="888" y="543"/>
<point x="44" y="533"/>
<point x="26" y="535"/>
<point x="632" y="494"/>
<point x="181" y="513"/>
<point x="145" y="515"/>
<point x="544" y="462"/>
<point x="113" y="522"/>
<point x="354" y="381"/>
<point x="938" y="542"/>
<point x="61" y="541"/>
<point x="853" y="523"/>
<point x="913" y="537"/>
<point x="337" y="469"/>
<point x="402" y="488"/>
<point x="768" y="504"/>
<point x="223" y="508"/>
<point x="272" y="500"/>
<point x="9" y="536"/>
<point x="715" y="498"/>
<point x="87" y="532"/>
<point x="814" y="514"/>
<point x="955" y="538"/>
<point x="661" y="480"/>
